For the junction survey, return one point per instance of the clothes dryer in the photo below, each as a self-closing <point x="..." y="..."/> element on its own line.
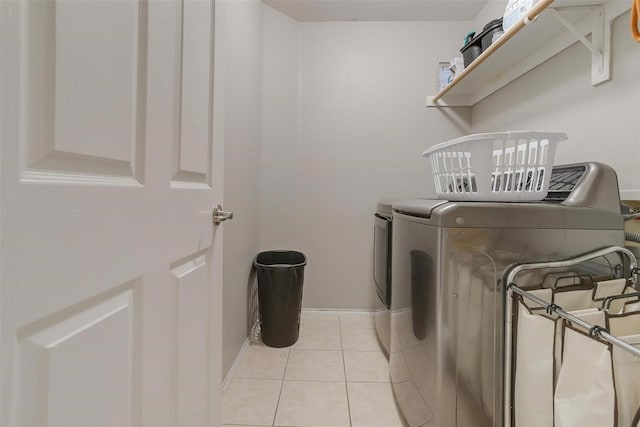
<point x="383" y="230"/>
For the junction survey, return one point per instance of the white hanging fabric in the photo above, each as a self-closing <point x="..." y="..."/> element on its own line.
<point x="574" y="298"/>
<point x="591" y="332"/>
<point x="630" y="307"/>
<point x="585" y="393"/>
<point x="608" y="288"/>
<point x="534" y="362"/>
<point x="626" y="367"/>
<point x="589" y="315"/>
<point x="540" y="344"/>
<point x="579" y="297"/>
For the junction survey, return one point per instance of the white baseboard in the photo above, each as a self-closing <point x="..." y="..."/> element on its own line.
<point x="630" y="194"/>
<point x="234" y="365"/>
<point x="336" y="311"/>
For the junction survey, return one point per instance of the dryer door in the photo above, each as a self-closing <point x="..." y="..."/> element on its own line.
<point x="382" y="258"/>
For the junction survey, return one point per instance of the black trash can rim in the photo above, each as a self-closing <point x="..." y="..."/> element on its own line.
<point x="284" y="265"/>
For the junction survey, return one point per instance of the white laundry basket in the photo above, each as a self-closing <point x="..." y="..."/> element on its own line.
<point x="500" y="166"/>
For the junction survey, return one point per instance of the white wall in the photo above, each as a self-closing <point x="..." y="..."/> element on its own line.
<point x="602" y="122"/>
<point x="279" y="150"/>
<point x="361" y="129"/>
<point x="242" y="157"/>
<point x="494" y="9"/>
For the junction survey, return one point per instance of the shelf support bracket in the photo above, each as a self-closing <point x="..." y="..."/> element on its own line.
<point x="599" y="45"/>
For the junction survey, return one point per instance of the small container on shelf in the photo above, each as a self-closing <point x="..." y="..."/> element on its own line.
<point x="496" y="36"/>
<point x="448" y="71"/>
<point x="474" y="46"/>
<point x="471" y="50"/>
<point x="445" y="75"/>
<point x="499" y="166"/>
<point x="492" y="28"/>
<point x="456" y="65"/>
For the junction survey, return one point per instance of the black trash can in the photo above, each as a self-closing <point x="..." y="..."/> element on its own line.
<point x="280" y="277"/>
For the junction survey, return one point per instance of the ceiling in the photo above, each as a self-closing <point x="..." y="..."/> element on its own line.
<point x="378" y="10"/>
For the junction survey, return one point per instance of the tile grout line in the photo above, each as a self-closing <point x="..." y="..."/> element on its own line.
<point x="344" y="365"/>
<point x="321" y="381"/>
<point x="341" y="329"/>
<point x="275" y="414"/>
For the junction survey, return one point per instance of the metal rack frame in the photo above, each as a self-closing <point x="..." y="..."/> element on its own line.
<point x="593" y="330"/>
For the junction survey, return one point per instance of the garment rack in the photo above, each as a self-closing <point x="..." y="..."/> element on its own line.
<point x="594" y="330"/>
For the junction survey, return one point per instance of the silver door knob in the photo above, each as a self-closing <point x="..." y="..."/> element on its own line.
<point x="219" y="215"/>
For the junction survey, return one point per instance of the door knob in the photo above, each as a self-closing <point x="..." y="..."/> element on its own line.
<point x="219" y="215"/>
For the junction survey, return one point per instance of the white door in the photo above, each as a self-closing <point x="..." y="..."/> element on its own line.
<point x="111" y="163"/>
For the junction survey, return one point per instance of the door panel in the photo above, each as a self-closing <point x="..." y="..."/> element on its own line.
<point x="86" y="357"/>
<point x="83" y="91"/>
<point x="191" y="168"/>
<point x="110" y="265"/>
<point x="191" y="326"/>
<point x="87" y="91"/>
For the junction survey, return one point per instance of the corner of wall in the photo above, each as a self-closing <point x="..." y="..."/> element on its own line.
<point x="494" y="9"/>
<point x="280" y="130"/>
<point x="243" y="132"/>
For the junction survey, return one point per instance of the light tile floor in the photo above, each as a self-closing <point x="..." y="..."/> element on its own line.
<point x="334" y="375"/>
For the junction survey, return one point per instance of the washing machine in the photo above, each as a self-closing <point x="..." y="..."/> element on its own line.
<point x="447" y="311"/>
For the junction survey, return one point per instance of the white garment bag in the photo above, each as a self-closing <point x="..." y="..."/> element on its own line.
<point x="631" y="306"/>
<point x="585" y="393"/>
<point x="573" y="298"/>
<point x="539" y="353"/>
<point x="626" y="367"/>
<point x="534" y="361"/>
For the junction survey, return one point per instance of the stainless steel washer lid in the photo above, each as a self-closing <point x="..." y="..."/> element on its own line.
<point x="417" y="207"/>
<point x="384" y="206"/>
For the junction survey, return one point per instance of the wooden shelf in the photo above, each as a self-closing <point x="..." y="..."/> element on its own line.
<point x="532" y="41"/>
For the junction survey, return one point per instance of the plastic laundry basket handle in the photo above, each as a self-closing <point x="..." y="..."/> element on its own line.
<point x="635" y="11"/>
